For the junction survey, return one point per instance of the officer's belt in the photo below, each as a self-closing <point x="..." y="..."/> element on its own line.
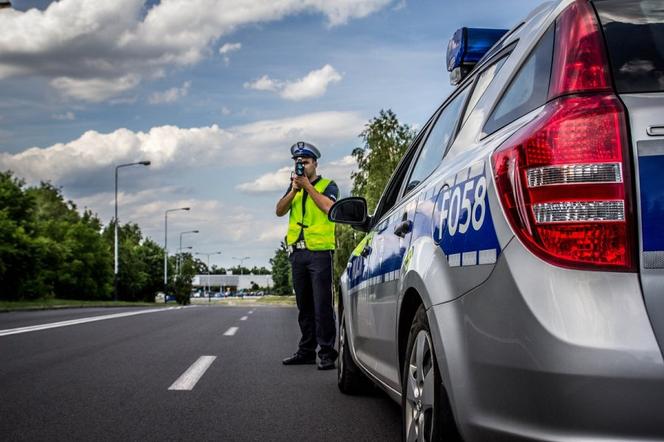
<point x="300" y="245"/>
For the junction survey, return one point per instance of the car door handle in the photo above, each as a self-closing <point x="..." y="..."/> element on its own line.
<point x="403" y="228"/>
<point x="366" y="251"/>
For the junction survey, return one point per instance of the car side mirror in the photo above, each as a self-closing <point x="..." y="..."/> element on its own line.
<point x="351" y="211"/>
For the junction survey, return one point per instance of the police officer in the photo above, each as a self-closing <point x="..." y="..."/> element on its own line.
<point x="311" y="241"/>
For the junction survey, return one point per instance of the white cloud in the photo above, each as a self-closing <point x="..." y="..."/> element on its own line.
<point x="86" y="160"/>
<point x="171" y="95"/>
<point x="219" y="225"/>
<point x="264" y="83"/>
<point x="95" y="44"/>
<point x="225" y="111"/>
<point x="95" y="89"/>
<point x="269" y="182"/>
<point x="313" y="85"/>
<point x="227" y="48"/>
<point x="67" y="116"/>
<point x="274" y="182"/>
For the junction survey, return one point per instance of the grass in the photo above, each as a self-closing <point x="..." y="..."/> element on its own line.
<point x="263" y="300"/>
<point x="54" y="303"/>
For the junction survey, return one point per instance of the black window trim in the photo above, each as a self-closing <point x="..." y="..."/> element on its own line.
<point x="514" y="74"/>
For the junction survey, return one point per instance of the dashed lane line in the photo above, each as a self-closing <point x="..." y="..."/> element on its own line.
<point x="231" y="331"/>
<point x="32" y="328"/>
<point x="244" y="318"/>
<point x="188" y="379"/>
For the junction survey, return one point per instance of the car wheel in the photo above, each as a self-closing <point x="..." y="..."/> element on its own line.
<point x="426" y="411"/>
<point x="349" y="377"/>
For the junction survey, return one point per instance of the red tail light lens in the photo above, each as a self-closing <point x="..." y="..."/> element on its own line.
<point x="562" y="183"/>
<point x="563" y="179"/>
<point x="579" y="60"/>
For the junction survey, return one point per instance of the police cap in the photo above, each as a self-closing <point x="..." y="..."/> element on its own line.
<point x="304" y="149"/>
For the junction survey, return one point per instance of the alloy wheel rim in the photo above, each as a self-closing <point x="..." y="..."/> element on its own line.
<point x="420" y="385"/>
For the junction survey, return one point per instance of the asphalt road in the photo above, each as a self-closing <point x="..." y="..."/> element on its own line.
<point x="110" y="379"/>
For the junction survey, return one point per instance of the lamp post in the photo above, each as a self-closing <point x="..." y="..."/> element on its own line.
<point x="244" y="258"/>
<point x="208" y="269"/>
<point x="115" y="248"/>
<point x="166" y="245"/>
<point x="179" y="258"/>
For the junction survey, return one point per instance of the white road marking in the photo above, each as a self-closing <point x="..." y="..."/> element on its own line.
<point x="15" y="331"/>
<point x="231" y="331"/>
<point x="190" y="377"/>
<point x="251" y="312"/>
<point x="244" y="318"/>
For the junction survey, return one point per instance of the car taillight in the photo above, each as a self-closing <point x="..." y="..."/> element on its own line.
<point x="563" y="179"/>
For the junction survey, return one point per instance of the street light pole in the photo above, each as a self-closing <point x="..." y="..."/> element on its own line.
<point x="208" y="269"/>
<point x="242" y="264"/>
<point x="115" y="241"/>
<point x="179" y="258"/>
<point x="166" y="247"/>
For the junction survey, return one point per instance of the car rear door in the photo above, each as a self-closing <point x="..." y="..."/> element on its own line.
<point x="634" y="34"/>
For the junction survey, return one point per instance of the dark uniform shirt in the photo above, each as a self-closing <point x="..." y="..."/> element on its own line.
<point x="331" y="191"/>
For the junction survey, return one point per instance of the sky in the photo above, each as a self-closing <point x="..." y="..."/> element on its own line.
<point x="214" y="93"/>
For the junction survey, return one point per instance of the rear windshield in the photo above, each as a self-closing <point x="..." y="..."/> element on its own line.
<point x="634" y="31"/>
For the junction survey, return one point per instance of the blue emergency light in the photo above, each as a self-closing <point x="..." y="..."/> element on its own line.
<point x="467" y="47"/>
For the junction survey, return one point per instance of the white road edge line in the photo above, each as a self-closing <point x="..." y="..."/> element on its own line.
<point x="244" y="318"/>
<point x="15" y="331"/>
<point x="231" y="331"/>
<point x="189" y="378"/>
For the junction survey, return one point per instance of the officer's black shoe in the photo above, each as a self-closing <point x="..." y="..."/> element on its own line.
<point x="298" y="359"/>
<point x="326" y="364"/>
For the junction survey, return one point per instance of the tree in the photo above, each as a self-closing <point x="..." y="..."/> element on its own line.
<point x="76" y="263"/>
<point x="214" y="270"/>
<point x="281" y="272"/>
<point x="20" y="252"/>
<point x="182" y="285"/>
<point x="384" y="142"/>
<point x="259" y="271"/>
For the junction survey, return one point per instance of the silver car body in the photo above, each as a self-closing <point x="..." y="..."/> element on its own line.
<point x="526" y="349"/>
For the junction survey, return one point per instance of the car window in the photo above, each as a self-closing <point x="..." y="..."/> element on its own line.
<point x="482" y="83"/>
<point x="391" y="192"/>
<point x="634" y="31"/>
<point x="440" y="136"/>
<point x="529" y="88"/>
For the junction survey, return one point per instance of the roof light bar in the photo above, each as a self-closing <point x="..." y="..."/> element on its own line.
<point x="466" y="47"/>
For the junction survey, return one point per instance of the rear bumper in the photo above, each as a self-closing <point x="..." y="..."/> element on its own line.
<point x="544" y="353"/>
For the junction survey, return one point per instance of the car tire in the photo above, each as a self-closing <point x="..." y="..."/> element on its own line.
<point x="425" y="407"/>
<point x="350" y="378"/>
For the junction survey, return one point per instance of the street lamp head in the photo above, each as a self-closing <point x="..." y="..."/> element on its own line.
<point x="145" y="163"/>
<point x="194" y="231"/>
<point x="186" y="208"/>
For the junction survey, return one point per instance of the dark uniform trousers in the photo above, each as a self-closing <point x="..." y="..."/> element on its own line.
<point x="312" y="281"/>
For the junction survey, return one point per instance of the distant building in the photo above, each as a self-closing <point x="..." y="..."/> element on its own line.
<point x="231" y="282"/>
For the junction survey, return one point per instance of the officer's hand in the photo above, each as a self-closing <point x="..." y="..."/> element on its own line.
<point x="300" y="182"/>
<point x="294" y="185"/>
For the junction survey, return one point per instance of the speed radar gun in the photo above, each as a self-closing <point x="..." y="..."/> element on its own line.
<point x="299" y="168"/>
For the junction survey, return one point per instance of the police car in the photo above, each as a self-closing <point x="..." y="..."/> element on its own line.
<point x="511" y="282"/>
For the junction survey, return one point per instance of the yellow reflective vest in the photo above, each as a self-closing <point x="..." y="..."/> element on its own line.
<point x="318" y="230"/>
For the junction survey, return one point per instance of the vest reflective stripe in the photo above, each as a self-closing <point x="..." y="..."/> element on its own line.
<point x="318" y="230"/>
